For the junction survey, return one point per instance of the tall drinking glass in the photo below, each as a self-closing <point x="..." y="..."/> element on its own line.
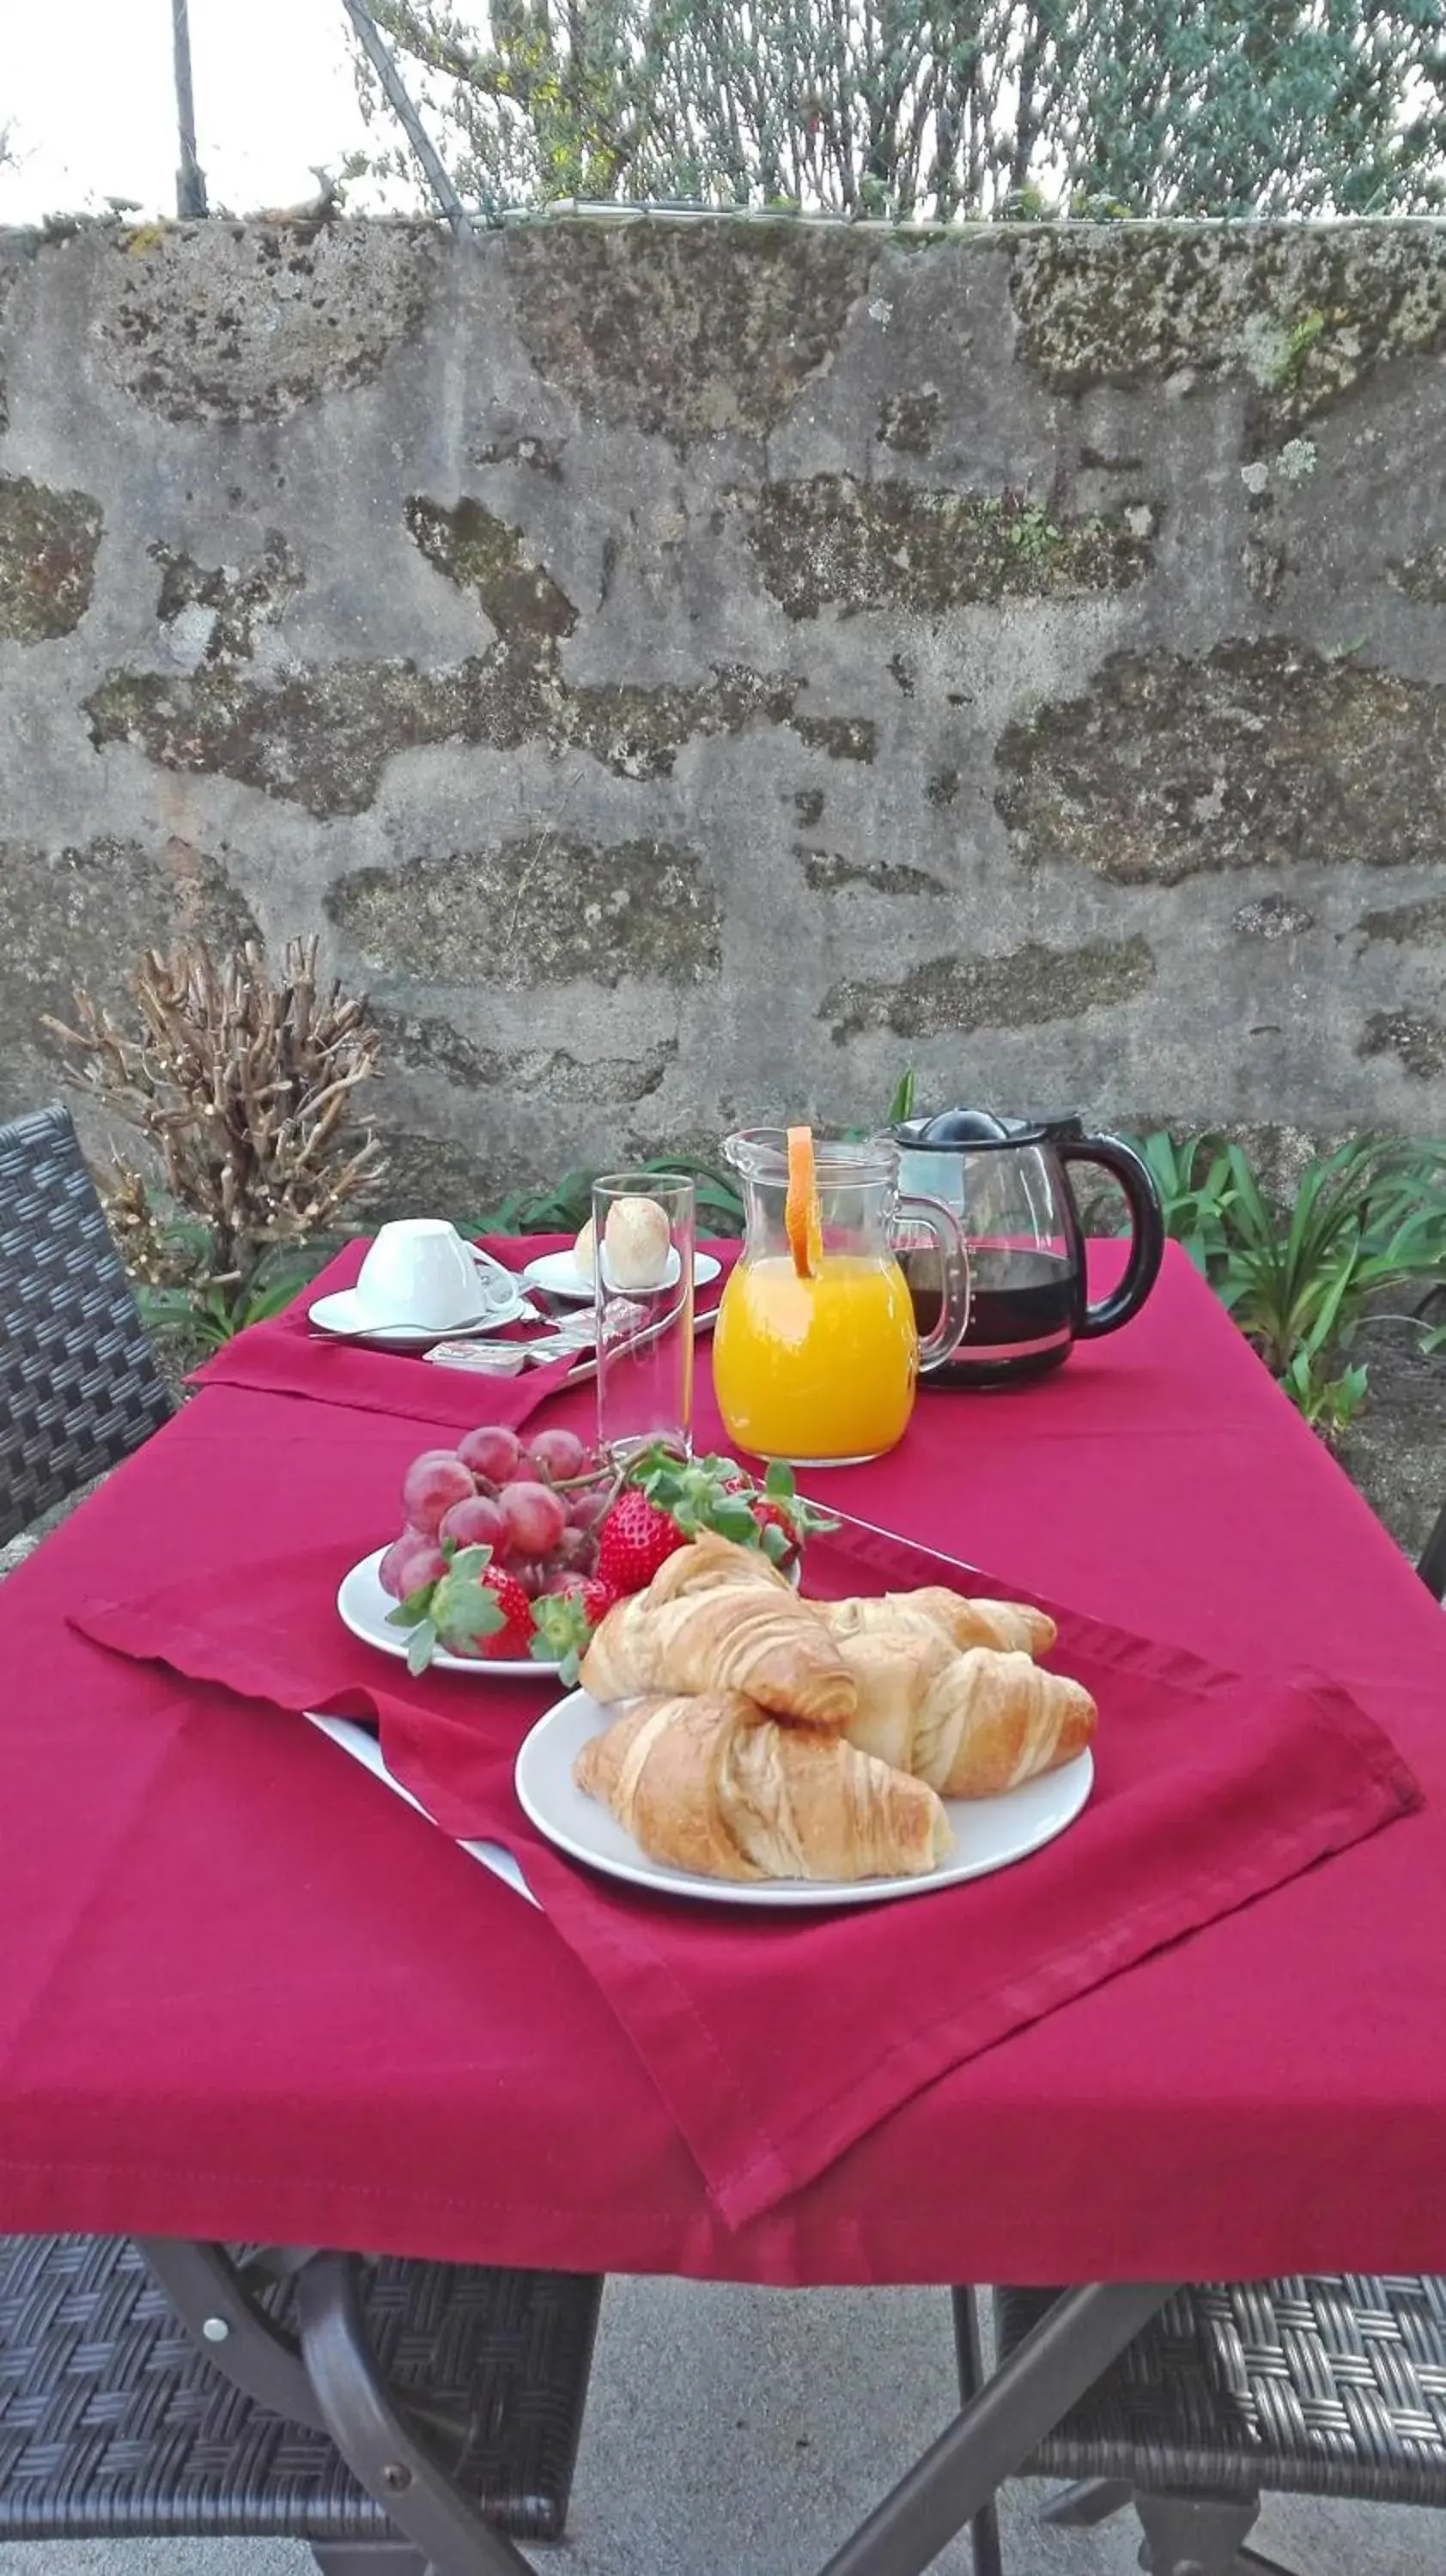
<point x="643" y="1230"/>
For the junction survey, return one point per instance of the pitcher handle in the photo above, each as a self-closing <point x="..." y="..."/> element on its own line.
<point x="940" y="1221"/>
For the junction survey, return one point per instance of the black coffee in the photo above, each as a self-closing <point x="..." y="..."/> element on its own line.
<point x="1021" y="1313"/>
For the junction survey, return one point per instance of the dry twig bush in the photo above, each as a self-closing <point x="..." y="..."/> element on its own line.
<point x="246" y="1087"/>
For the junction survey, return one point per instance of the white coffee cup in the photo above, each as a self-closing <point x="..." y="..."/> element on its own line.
<point x="419" y="1271"/>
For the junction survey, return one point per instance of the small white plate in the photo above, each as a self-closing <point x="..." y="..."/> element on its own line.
<point x="345" y="1317"/>
<point x="989" y="1833"/>
<point x="558" y="1271"/>
<point x="363" y="1606"/>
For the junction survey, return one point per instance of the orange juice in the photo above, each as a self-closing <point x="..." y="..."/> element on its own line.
<point x="816" y="1369"/>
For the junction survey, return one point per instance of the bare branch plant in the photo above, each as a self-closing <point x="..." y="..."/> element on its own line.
<point x="246" y="1087"/>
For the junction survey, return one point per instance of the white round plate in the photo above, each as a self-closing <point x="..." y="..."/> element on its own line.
<point x="344" y="1316"/>
<point x="558" y="1271"/>
<point x="989" y="1833"/>
<point x="363" y="1607"/>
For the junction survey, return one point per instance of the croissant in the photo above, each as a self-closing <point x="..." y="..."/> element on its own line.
<point x="708" y="1564"/>
<point x="1011" y="1626"/>
<point x="734" y="1637"/>
<point x="971" y="1724"/>
<point x="711" y="1786"/>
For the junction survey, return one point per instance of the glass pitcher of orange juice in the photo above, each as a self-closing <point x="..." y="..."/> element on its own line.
<point x="816" y="1354"/>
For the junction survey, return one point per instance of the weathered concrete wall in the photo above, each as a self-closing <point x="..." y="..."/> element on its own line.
<point x="690" y="670"/>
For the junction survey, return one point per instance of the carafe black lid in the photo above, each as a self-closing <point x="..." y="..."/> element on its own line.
<point x="963" y="1129"/>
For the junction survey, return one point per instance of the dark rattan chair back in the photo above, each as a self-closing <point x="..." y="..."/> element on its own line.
<point x="79" y="1385"/>
<point x="1432" y="1567"/>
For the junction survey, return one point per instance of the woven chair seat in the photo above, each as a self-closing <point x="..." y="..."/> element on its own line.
<point x="113" y="2422"/>
<point x="1335" y="2385"/>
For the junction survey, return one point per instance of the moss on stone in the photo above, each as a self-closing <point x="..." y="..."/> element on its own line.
<point x="1018" y="990"/>
<point x="1417" y="1041"/>
<point x="428" y="1044"/>
<point x="544" y="909"/>
<point x="1408" y="924"/>
<point x="690" y="329"/>
<point x="480" y="552"/>
<point x="829" y="872"/>
<point x="1259" y="754"/>
<point x="322" y="736"/>
<point x="251" y="322"/>
<point x="235" y="603"/>
<point x="1422" y="578"/>
<point x="835" y="542"/>
<point x="82" y="915"/>
<point x="909" y="421"/>
<point x="1299" y="313"/>
<point x="48" y="542"/>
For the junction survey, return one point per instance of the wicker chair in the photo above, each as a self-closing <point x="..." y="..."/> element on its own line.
<point x="1331" y="2386"/>
<point x="179" y="2388"/>
<point x="79" y="1385"/>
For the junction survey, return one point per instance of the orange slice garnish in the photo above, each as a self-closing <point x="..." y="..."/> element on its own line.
<point x="802" y="1216"/>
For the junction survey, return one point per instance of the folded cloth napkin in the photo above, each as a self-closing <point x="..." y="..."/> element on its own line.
<point x="778" y="2040"/>
<point x="286" y="1356"/>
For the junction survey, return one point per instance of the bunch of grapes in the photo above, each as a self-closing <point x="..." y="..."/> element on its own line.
<point x="536" y="1509"/>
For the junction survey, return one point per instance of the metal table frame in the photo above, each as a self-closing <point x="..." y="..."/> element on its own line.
<point x="328" y="2378"/>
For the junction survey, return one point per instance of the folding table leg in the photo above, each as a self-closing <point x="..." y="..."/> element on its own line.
<point x="1042" y="2379"/>
<point x="378" y="2443"/>
<point x="367" y="2558"/>
<point x="969" y="2362"/>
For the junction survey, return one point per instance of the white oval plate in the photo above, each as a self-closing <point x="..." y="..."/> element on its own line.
<point x="558" y="1271"/>
<point x="344" y="1316"/>
<point x="989" y="1833"/>
<point x="363" y="1606"/>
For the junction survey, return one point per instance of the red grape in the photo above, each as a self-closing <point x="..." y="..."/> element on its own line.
<point x="585" y="1510"/>
<point x="578" y="1550"/>
<point x="491" y="1452"/>
<point x="531" y="1576"/>
<point x="431" y="1485"/>
<point x="474" y="1522"/>
<point x="535" y="1517"/>
<point x="411" y="1560"/>
<point x="558" y="1454"/>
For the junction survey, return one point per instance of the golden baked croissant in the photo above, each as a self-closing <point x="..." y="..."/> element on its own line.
<point x="709" y="1785"/>
<point x="1010" y="1626"/>
<point x="971" y="1724"/>
<point x="733" y="1637"/>
<point x="708" y="1564"/>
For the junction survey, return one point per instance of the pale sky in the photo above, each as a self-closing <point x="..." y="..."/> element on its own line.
<point x="88" y="93"/>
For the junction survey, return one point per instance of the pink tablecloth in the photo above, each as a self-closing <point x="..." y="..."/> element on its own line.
<point x="1267" y="2094"/>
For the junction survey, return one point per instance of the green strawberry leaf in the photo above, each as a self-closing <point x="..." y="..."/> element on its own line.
<point x="472" y="1610"/>
<point x="419" y="1647"/>
<point x="413" y="1605"/>
<point x="468" y="1563"/>
<point x="775" y="1544"/>
<point x="731" y="1518"/>
<point x="778" y="1481"/>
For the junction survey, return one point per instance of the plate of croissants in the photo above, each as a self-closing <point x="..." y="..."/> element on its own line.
<point x="735" y="1741"/>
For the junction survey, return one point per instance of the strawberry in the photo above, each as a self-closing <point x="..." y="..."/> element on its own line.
<point x="513" y="1638"/>
<point x="564" y="1621"/>
<point x="635" y="1538"/>
<point x="769" y="1514"/>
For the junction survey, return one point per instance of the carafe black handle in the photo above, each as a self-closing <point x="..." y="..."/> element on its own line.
<point x="1147" y="1229"/>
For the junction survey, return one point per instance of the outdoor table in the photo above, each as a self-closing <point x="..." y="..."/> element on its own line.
<point x="248" y="1996"/>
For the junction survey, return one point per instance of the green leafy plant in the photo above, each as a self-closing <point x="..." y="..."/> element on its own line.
<point x="1358" y="1230"/>
<point x="1197" y="1192"/>
<point x="567" y="1205"/>
<point x="212" y="1315"/>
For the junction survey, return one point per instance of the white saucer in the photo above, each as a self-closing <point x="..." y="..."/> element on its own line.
<point x="558" y="1272"/>
<point x="989" y="1833"/>
<point x="363" y="1606"/>
<point x="349" y="1319"/>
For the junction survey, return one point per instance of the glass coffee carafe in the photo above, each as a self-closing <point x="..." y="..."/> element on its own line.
<point x="1007" y="1180"/>
<point x="819" y="1364"/>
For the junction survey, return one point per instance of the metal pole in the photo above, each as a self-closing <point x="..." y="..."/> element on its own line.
<point x="190" y="185"/>
<point x="421" y="142"/>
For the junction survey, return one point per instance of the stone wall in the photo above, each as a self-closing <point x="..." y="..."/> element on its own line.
<point x="691" y="669"/>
